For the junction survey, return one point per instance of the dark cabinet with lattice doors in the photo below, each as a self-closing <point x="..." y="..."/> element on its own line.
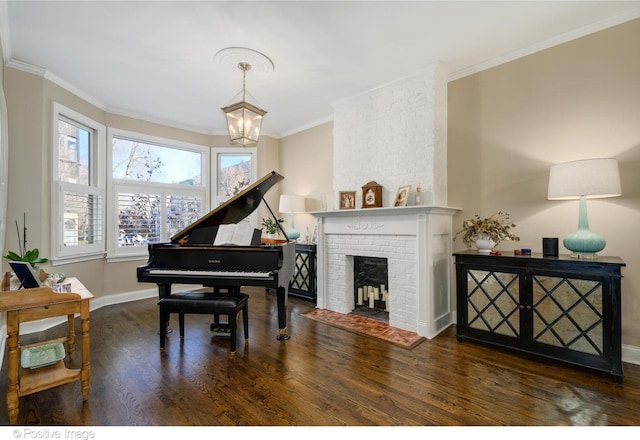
<point x="304" y="280"/>
<point x="558" y="307"/>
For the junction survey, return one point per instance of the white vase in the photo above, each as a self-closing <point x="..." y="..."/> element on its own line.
<point x="484" y="243"/>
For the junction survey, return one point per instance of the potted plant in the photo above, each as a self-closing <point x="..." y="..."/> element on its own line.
<point x="31" y="256"/>
<point x="487" y="232"/>
<point x="270" y="227"/>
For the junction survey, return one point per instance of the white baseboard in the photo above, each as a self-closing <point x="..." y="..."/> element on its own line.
<point x="631" y="354"/>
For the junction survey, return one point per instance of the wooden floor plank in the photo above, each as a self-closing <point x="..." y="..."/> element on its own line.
<point x="322" y="376"/>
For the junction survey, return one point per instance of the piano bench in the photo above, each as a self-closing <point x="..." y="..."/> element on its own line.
<point x="208" y="303"/>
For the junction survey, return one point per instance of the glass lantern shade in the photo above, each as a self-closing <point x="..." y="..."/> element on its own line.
<point x="244" y="121"/>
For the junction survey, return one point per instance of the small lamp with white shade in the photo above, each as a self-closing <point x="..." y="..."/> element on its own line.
<point x="292" y="204"/>
<point x="584" y="179"/>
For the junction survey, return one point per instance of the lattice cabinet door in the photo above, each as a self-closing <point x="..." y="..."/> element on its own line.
<point x="568" y="313"/>
<point x="303" y="284"/>
<point x="493" y="302"/>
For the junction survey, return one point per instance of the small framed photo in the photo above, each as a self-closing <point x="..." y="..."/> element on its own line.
<point x="402" y="196"/>
<point x="347" y="199"/>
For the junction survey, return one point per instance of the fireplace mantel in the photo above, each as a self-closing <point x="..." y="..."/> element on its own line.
<point x="399" y="210"/>
<point x="416" y="240"/>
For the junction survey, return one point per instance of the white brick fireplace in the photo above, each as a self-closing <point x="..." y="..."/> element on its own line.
<point x="396" y="135"/>
<point x="415" y="240"/>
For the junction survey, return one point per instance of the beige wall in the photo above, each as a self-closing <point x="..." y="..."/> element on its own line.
<point x="306" y="160"/>
<point x="509" y="124"/>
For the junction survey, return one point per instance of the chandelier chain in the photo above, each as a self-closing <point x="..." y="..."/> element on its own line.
<point x="244" y="67"/>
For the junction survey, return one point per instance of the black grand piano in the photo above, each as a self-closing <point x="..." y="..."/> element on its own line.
<point x="191" y="257"/>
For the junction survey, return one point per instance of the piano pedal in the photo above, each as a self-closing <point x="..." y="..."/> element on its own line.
<point x="220" y="329"/>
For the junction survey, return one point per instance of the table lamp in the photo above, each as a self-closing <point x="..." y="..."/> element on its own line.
<point x="291" y="204"/>
<point x="584" y="179"/>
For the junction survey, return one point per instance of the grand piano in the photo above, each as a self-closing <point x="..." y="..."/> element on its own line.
<point x="191" y="257"/>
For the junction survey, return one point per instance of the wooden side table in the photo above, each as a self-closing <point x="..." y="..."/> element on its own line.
<point x="39" y="303"/>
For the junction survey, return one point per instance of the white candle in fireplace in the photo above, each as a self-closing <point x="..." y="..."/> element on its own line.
<point x="359" y="296"/>
<point x="383" y="288"/>
<point x="371" y="305"/>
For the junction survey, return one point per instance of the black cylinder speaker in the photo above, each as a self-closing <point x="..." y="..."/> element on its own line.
<point x="550" y="247"/>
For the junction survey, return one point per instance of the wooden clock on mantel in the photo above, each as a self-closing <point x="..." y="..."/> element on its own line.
<point x="372" y="195"/>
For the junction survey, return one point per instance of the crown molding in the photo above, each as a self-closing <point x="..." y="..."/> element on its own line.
<point x="308" y="126"/>
<point x="560" y="39"/>
<point x="25" y="67"/>
<point x="44" y="73"/>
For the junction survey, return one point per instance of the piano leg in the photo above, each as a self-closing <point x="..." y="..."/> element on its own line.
<point x="281" y="296"/>
<point x="164" y="290"/>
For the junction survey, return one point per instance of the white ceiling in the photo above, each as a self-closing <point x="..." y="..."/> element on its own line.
<point x="154" y="59"/>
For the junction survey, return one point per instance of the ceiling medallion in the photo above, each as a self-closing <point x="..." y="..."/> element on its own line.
<point x="232" y="56"/>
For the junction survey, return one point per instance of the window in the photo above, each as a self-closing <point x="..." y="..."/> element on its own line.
<point x="233" y="170"/>
<point x="159" y="187"/>
<point x="78" y="189"/>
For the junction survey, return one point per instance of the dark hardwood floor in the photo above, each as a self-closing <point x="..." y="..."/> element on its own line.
<point x="321" y="376"/>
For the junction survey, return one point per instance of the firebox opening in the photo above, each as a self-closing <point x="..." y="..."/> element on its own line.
<point x="371" y="281"/>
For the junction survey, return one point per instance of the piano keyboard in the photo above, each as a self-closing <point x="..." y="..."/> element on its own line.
<point x="213" y="273"/>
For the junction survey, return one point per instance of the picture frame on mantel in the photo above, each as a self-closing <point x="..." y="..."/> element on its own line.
<point x="402" y="195"/>
<point x="347" y="199"/>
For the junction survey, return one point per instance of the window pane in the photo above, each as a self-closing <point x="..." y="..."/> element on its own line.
<point x="135" y="160"/>
<point x="74" y="146"/>
<point x="82" y="219"/>
<point x="234" y="171"/>
<point x="138" y="219"/>
<point x="182" y="211"/>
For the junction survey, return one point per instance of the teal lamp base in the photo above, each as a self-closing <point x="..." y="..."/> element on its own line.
<point x="292" y="234"/>
<point x="583" y="243"/>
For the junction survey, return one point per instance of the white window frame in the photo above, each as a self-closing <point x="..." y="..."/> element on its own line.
<point x="216" y="198"/>
<point x="116" y="186"/>
<point x="62" y="253"/>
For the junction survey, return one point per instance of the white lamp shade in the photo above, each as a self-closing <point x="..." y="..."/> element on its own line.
<point x="291" y="203"/>
<point x="592" y="178"/>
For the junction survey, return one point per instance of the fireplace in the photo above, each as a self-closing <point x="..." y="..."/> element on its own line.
<point x="415" y="241"/>
<point x="370" y="293"/>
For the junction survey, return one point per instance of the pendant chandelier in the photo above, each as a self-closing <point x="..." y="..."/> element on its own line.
<point x="244" y="119"/>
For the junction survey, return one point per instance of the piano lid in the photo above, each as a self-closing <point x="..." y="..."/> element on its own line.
<point x="235" y="209"/>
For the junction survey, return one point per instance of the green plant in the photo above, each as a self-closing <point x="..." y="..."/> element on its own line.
<point x="270" y="226"/>
<point x="30" y="256"/>
<point x="497" y="227"/>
